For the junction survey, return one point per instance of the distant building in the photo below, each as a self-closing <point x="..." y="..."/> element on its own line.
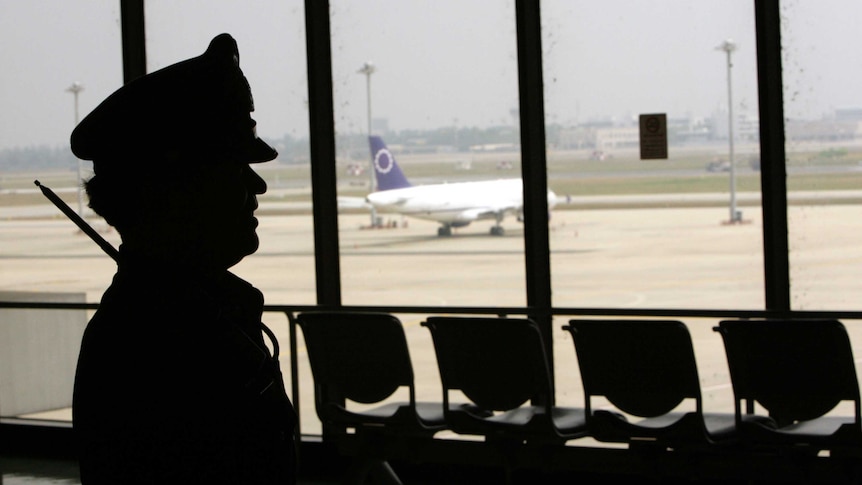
<point x="823" y="130"/>
<point x="746" y="126"/>
<point x="848" y="114"/>
<point x="617" y="137"/>
<point x="576" y="138"/>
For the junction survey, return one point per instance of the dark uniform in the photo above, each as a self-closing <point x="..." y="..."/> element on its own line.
<point x="175" y="384"/>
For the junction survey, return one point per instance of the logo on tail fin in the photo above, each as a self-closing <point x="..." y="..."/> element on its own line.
<point x="383" y="161"/>
<point x="386" y="170"/>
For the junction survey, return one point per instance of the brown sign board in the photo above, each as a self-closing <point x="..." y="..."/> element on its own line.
<point x="653" y="136"/>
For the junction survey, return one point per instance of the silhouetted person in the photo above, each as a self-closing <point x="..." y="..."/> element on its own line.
<point x="175" y="384"/>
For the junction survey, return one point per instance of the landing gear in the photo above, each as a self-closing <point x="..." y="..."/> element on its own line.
<point x="444" y="231"/>
<point x="497" y="229"/>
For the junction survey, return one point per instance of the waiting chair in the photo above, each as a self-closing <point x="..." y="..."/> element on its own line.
<point x="798" y="371"/>
<point x="364" y="358"/>
<point x="499" y="364"/>
<point x="646" y="369"/>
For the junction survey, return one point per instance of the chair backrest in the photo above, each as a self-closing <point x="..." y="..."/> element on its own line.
<point x="643" y="367"/>
<point x="358" y="356"/>
<point x="797" y="370"/>
<point x="498" y="363"/>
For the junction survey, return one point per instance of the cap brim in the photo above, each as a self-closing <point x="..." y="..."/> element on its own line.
<point x="259" y="152"/>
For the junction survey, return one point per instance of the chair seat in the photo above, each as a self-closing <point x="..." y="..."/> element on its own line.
<point x="564" y="419"/>
<point x="429" y="414"/>
<point x="720" y="426"/>
<point x="523" y="422"/>
<point x="671" y="428"/>
<point x="570" y="421"/>
<point x="825" y="428"/>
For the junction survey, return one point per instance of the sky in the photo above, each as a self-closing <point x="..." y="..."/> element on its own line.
<point x="438" y="63"/>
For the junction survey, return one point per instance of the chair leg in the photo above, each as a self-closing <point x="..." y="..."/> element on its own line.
<point x="384" y="474"/>
<point x="379" y="471"/>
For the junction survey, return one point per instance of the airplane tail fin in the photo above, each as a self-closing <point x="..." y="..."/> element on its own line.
<point x="388" y="173"/>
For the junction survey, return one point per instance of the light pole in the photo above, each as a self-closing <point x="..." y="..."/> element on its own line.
<point x="368" y="69"/>
<point x="76" y="89"/>
<point x="728" y="46"/>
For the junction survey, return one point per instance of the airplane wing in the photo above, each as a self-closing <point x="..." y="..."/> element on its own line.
<point x="345" y="202"/>
<point x="490" y="212"/>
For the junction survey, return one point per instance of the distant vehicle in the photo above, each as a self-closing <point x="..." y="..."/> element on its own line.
<point x="463" y="165"/>
<point x="355" y="169"/>
<point x="505" y="165"/>
<point x="718" y="166"/>
<point x="599" y="155"/>
<point x="452" y="205"/>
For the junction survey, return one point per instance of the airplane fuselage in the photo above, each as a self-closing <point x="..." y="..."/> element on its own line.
<point x="455" y="204"/>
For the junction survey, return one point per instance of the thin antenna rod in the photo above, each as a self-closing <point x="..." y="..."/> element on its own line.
<point x="81" y="223"/>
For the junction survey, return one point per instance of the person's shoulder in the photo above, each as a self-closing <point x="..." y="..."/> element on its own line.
<point x="229" y="284"/>
<point x="142" y="307"/>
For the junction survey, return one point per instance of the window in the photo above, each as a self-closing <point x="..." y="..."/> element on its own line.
<point x="61" y="60"/>
<point x="443" y="98"/>
<point x="823" y="127"/>
<point x="633" y="233"/>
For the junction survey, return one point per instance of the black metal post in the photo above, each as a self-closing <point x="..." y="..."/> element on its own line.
<point x="773" y="174"/>
<point x="322" y="138"/>
<point x="534" y="167"/>
<point x="134" y="39"/>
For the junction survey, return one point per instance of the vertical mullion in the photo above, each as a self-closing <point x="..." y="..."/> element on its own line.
<point x="322" y="141"/>
<point x="132" y="34"/>
<point x="773" y="175"/>
<point x="534" y="167"/>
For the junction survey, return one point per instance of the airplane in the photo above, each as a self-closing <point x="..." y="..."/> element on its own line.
<point x="454" y="204"/>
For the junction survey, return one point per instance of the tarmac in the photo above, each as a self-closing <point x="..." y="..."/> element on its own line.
<point x="668" y="258"/>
